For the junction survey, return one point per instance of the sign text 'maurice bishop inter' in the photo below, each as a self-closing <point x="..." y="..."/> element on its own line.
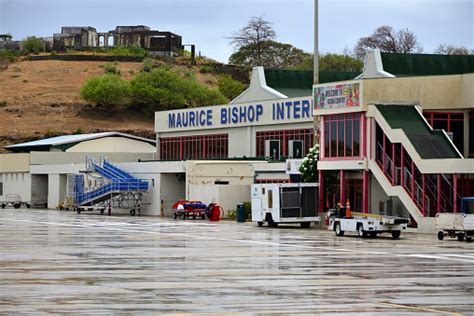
<point x="238" y="114"/>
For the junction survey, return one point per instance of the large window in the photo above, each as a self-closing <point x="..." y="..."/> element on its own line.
<point x="194" y="147"/>
<point x="284" y="136"/>
<point x="342" y="135"/>
<point x="452" y="123"/>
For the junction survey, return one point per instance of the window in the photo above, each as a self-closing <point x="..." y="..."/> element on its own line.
<point x="284" y="136"/>
<point x="1" y="188"/>
<point x="270" y="199"/>
<point x="452" y="123"/>
<point x="213" y="146"/>
<point x="342" y="135"/>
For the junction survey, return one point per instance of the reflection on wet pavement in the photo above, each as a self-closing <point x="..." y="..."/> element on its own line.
<point x="61" y="262"/>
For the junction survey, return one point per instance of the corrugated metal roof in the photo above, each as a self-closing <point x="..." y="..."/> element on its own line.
<point x="402" y="65"/>
<point x="299" y="83"/>
<point x="68" y="139"/>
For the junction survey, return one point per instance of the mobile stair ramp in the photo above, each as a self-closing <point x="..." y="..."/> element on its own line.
<point x="419" y="165"/>
<point x="116" y="188"/>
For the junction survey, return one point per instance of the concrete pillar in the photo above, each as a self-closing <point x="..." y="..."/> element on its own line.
<point x="466" y="134"/>
<point x="365" y="191"/>
<point x="321" y="191"/>
<point x="342" y="187"/>
<point x="53" y="190"/>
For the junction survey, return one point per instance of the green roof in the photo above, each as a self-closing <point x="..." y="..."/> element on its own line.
<point x="429" y="144"/>
<point x="402" y="65"/>
<point x="298" y="83"/>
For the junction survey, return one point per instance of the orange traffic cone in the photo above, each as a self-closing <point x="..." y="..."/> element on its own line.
<point x="348" y="208"/>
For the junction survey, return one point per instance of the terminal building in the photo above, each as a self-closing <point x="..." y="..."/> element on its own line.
<point x="395" y="139"/>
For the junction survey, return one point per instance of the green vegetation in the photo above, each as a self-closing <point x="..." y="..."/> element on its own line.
<point x="148" y="64"/>
<point x="159" y="89"/>
<point x="107" y="91"/>
<point x="164" y="89"/>
<point x="308" y="168"/>
<point x="32" y="45"/>
<point x="331" y="62"/>
<point x="111" y="68"/>
<point x="9" y="54"/>
<point x="270" y="54"/>
<point x="133" y="51"/>
<point x="3" y="104"/>
<point x="229" y="87"/>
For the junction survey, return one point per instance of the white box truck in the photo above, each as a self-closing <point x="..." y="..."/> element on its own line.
<point x="289" y="203"/>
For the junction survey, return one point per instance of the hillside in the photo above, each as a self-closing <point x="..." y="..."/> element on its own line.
<point x="41" y="98"/>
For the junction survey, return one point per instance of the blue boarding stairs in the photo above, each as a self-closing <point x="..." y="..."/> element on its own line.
<point x="116" y="187"/>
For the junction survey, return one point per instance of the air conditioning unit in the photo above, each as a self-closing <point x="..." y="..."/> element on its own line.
<point x="272" y="149"/>
<point x="295" y="149"/>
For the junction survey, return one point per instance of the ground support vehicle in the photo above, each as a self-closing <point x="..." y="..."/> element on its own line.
<point x="14" y="200"/>
<point x="103" y="187"/>
<point x="186" y="209"/>
<point x="457" y="225"/>
<point x="285" y="203"/>
<point x="365" y="224"/>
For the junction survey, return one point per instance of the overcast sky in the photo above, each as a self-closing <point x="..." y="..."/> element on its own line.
<point x="208" y="23"/>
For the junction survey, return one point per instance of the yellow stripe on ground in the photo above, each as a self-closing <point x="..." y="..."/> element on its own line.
<point x="421" y="309"/>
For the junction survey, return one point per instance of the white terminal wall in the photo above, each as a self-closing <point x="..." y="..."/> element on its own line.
<point x="242" y="136"/>
<point x="14" y="176"/>
<point x="113" y="144"/>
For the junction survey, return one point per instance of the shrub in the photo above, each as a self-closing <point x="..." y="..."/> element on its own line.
<point x="111" y="68"/>
<point x="309" y="166"/>
<point x="148" y="65"/>
<point x="134" y="51"/>
<point x="32" y="45"/>
<point x="248" y="210"/>
<point x="107" y="91"/>
<point x="163" y="89"/>
<point x="206" y="69"/>
<point x="3" y="104"/>
<point x="229" y="87"/>
<point x="9" y="54"/>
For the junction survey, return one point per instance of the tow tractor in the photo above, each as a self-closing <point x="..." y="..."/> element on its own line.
<point x="460" y="225"/>
<point x="342" y="220"/>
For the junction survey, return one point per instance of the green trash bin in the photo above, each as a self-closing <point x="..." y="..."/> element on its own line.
<point x="240" y="213"/>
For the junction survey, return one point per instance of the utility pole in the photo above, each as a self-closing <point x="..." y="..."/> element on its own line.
<point x="316" y="46"/>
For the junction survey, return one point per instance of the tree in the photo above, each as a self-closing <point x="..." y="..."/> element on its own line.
<point x="106" y="91"/>
<point x="309" y="166"/>
<point x="253" y="35"/>
<point x="32" y="45"/>
<point x="270" y="54"/>
<point x="445" y="49"/>
<point x="388" y="40"/>
<point x="163" y="89"/>
<point x="332" y="62"/>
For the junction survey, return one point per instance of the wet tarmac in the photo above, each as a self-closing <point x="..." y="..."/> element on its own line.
<point x="62" y="262"/>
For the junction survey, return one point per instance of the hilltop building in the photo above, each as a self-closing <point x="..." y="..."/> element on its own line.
<point x="84" y="37"/>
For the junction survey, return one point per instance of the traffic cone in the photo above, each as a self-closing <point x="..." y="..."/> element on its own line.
<point x="348" y="208"/>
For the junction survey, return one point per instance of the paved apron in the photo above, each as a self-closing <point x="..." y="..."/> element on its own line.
<point x="62" y="262"/>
